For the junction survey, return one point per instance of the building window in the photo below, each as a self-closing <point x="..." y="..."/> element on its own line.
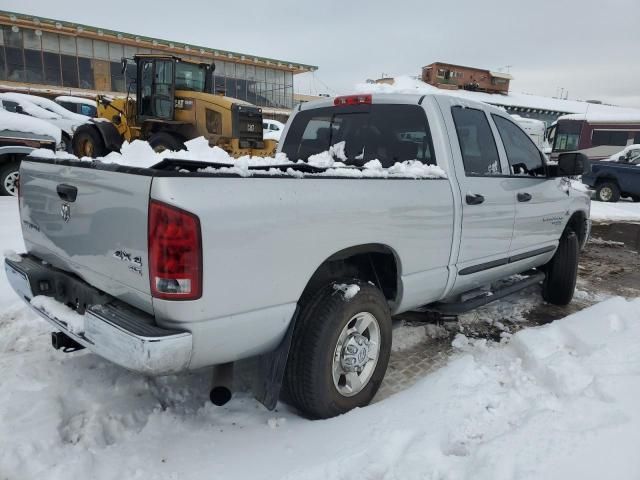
<point x="69" y="70"/>
<point x="33" y="66"/>
<point x="85" y="73"/>
<point x="51" y="68"/>
<point x="117" y="79"/>
<point x="85" y="47"/>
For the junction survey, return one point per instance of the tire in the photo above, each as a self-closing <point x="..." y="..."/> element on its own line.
<point x="9" y="175"/>
<point x="562" y="271"/>
<point x="309" y="377"/>
<point x="607" y="192"/>
<point x="165" y="141"/>
<point x="87" y="142"/>
<point x="67" y="143"/>
<point x="635" y="198"/>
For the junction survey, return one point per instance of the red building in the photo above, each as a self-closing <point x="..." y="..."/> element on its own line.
<point x="453" y="77"/>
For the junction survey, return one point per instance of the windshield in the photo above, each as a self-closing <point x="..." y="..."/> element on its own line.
<point x="190" y="76"/>
<point x="567" y="136"/>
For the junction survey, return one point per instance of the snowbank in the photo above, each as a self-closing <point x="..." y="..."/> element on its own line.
<point x="140" y="154"/>
<point x="555" y="402"/>
<point x="615" y="212"/>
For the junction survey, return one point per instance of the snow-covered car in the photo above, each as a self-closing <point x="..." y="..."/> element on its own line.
<point x="629" y="154"/>
<point x="47" y="110"/>
<point x="272" y="129"/>
<point x="81" y="105"/>
<point x="19" y="136"/>
<point x="374" y="205"/>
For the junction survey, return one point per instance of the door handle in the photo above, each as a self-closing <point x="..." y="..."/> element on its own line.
<point x="524" y="197"/>
<point x="474" y="199"/>
<point x="68" y="193"/>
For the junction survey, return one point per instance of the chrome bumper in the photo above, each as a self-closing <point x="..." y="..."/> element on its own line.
<point x="114" y="331"/>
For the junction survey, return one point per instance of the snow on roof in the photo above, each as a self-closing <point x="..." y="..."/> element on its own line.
<point x="51" y="106"/>
<point x="29" y="107"/>
<point x="506" y="76"/>
<point x="406" y="84"/>
<point x="80" y="100"/>
<point x="631" y="116"/>
<point x="24" y="123"/>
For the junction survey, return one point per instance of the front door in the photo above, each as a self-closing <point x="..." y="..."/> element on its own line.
<point x="155" y="89"/>
<point x="540" y="202"/>
<point x="488" y="208"/>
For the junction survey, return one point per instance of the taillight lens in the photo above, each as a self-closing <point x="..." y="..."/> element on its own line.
<point x="175" y="253"/>
<point x="352" y="100"/>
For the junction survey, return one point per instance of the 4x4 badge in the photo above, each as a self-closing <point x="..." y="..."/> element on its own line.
<point x="65" y="212"/>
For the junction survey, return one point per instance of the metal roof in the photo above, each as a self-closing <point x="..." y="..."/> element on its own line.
<point x="77" y="29"/>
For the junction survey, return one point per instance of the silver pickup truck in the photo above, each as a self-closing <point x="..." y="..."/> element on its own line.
<point x="176" y="267"/>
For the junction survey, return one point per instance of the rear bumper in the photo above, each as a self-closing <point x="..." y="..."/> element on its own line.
<point x="120" y="334"/>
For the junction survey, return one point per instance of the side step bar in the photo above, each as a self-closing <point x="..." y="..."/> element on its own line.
<point x="475" y="302"/>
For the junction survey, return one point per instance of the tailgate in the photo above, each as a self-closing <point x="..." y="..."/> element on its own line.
<point x="100" y="235"/>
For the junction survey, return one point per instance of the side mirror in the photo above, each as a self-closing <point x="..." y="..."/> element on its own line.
<point x="572" y="164"/>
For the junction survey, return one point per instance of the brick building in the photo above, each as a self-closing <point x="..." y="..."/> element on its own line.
<point x="453" y="77"/>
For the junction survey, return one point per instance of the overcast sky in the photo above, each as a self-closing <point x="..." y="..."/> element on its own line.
<point x="590" y="48"/>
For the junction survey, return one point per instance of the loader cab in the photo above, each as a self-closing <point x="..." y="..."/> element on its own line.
<point x="158" y="78"/>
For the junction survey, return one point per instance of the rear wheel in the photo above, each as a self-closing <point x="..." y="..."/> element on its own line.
<point x="340" y="350"/>
<point x="607" y="192"/>
<point x="87" y="142"/>
<point x="635" y="198"/>
<point x="9" y="177"/>
<point x="162" y="141"/>
<point x="562" y="271"/>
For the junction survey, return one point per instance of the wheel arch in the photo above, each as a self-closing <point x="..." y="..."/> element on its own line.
<point x="578" y="223"/>
<point x="373" y="262"/>
<point x="108" y="132"/>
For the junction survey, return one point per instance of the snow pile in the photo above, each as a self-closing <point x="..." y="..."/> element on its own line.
<point x="553" y="402"/>
<point x="140" y="154"/>
<point x="615" y="212"/>
<point x="50" y="154"/>
<point x="23" y="123"/>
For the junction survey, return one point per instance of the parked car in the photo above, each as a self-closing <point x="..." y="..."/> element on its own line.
<point x="19" y="136"/>
<point x="81" y="105"/>
<point x="618" y="176"/>
<point x="272" y="129"/>
<point x="47" y="110"/>
<point x="179" y="267"/>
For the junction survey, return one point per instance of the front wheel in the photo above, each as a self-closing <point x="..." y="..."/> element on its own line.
<point x="162" y="141"/>
<point x="562" y="271"/>
<point x="87" y="142"/>
<point x="9" y="177"/>
<point x="340" y="349"/>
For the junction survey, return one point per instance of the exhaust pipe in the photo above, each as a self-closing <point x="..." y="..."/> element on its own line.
<point x="62" y="341"/>
<point x="222" y="380"/>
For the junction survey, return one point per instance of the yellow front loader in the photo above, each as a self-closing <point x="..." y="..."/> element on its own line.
<point x="173" y="103"/>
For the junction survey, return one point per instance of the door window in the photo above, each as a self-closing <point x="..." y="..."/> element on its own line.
<point x="478" y="147"/>
<point x="146" y="86"/>
<point x="524" y="157"/>
<point x="163" y="97"/>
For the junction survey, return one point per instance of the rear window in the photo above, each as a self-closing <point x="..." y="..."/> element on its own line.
<point x="389" y="133"/>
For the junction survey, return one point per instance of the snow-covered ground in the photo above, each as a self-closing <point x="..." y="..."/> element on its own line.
<point x="558" y="401"/>
<point x="615" y="212"/>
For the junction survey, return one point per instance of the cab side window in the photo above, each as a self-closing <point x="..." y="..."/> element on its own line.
<point x="478" y="147"/>
<point x="524" y="157"/>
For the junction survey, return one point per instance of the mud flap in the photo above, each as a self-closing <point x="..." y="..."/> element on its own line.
<point x="268" y="369"/>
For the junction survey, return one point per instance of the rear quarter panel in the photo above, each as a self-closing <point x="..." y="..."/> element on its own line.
<point x="263" y="238"/>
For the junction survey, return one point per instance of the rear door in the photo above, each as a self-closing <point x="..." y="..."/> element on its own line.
<point x="488" y="209"/>
<point x="89" y="222"/>
<point x="540" y="202"/>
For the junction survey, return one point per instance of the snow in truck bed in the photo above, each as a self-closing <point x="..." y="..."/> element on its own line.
<point x="140" y="154"/>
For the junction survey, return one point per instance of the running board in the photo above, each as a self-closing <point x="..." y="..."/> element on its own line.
<point x="475" y="302"/>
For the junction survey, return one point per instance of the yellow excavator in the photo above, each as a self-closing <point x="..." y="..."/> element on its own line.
<point x="173" y="103"/>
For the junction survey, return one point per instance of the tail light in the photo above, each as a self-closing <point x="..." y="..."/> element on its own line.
<point x="175" y="253"/>
<point x="352" y="100"/>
